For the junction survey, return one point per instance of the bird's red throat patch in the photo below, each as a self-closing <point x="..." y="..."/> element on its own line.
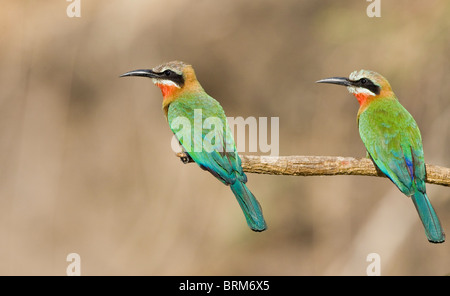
<point x="166" y="89"/>
<point x="361" y="97"/>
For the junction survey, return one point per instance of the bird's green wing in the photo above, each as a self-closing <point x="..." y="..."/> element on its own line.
<point x="201" y="127"/>
<point x="209" y="142"/>
<point x="393" y="140"/>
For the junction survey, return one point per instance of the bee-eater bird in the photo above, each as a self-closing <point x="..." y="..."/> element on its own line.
<point x="184" y="97"/>
<point x="393" y="141"/>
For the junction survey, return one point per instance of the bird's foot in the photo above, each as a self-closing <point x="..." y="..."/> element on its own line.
<point x="184" y="157"/>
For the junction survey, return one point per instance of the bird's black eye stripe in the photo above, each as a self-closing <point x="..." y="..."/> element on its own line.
<point x="368" y="84"/>
<point x="173" y="76"/>
<point x="169" y="74"/>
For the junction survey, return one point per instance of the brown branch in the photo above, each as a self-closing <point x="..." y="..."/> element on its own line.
<point x="324" y="166"/>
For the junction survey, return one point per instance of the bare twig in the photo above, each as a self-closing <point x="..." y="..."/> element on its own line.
<point x="325" y="166"/>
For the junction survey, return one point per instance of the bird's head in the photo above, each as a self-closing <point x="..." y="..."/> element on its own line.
<point x="172" y="77"/>
<point x="365" y="85"/>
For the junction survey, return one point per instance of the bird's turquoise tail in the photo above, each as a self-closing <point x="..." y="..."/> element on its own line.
<point x="430" y="220"/>
<point x="249" y="205"/>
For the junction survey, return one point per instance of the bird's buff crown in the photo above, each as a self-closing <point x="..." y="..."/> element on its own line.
<point x="176" y="66"/>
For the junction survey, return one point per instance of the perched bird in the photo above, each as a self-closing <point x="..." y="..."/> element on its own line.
<point x="185" y="99"/>
<point x="393" y="141"/>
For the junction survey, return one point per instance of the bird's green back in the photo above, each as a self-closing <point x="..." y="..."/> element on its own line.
<point x="393" y="140"/>
<point x="221" y="159"/>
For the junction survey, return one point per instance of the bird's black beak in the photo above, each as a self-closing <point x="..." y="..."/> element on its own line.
<point x="336" y="80"/>
<point x="142" y="73"/>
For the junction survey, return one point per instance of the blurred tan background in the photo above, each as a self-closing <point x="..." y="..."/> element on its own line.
<point x="85" y="157"/>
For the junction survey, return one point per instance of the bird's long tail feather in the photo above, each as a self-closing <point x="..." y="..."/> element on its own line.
<point x="430" y="220"/>
<point x="250" y="206"/>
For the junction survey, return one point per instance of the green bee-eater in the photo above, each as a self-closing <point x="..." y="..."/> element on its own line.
<point x="393" y="141"/>
<point x="185" y="103"/>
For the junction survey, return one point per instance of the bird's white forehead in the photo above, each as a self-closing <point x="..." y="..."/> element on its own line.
<point x="176" y="70"/>
<point x="175" y="66"/>
<point x="356" y="75"/>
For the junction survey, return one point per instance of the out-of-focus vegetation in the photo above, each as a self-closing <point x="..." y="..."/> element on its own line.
<point x="87" y="166"/>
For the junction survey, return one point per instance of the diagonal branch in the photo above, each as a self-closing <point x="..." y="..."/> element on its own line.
<point x="325" y="166"/>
